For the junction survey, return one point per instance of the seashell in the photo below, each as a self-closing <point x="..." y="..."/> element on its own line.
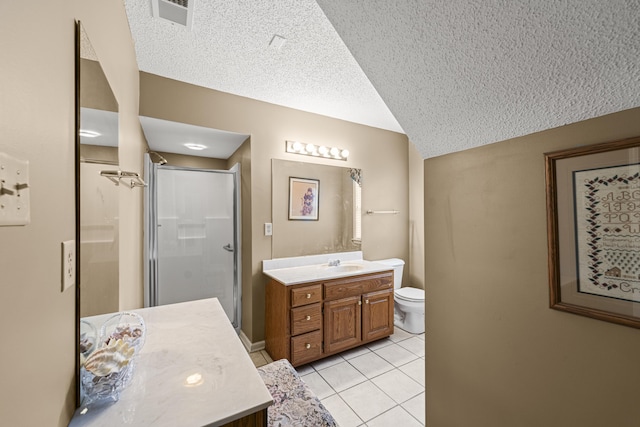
<point x="109" y="359"/>
<point x="126" y="333"/>
<point x="128" y="326"/>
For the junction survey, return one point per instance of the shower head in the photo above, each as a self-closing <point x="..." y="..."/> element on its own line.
<point x="159" y="159"/>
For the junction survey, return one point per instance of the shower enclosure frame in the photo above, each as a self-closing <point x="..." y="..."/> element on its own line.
<point x="151" y="237"/>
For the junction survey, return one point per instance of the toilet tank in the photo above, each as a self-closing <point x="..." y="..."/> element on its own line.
<point x="398" y="265"/>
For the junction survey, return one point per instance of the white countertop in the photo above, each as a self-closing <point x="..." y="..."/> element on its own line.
<point x="183" y="339"/>
<point x="295" y="270"/>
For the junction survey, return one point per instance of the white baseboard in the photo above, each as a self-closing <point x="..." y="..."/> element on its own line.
<point x="251" y="347"/>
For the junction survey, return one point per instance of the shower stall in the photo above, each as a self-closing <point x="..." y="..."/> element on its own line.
<point x="192" y="241"/>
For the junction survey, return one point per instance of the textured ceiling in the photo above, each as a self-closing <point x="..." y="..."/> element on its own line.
<point x="456" y="74"/>
<point x="464" y="73"/>
<point x="228" y="50"/>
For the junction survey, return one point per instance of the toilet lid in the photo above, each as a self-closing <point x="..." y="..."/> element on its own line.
<point x="410" y="294"/>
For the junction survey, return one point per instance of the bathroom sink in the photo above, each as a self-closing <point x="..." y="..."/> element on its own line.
<point x="343" y="268"/>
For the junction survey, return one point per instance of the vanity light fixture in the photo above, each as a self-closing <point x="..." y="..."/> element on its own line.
<point x="323" y="151"/>
<point x="193" y="146"/>
<point x="86" y="133"/>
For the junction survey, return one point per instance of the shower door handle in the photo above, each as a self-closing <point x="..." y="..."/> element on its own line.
<point x="228" y="247"/>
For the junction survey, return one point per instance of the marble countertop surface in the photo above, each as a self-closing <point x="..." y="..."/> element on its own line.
<point x="296" y="270"/>
<point x="183" y="340"/>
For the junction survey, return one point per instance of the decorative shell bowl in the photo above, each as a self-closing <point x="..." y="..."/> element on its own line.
<point x="107" y="371"/>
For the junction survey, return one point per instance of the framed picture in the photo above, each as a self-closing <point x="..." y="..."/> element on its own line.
<point x="593" y="221"/>
<point x="304" y="195"/>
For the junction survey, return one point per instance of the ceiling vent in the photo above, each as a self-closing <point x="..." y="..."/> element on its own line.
<point x="175" y="11"/>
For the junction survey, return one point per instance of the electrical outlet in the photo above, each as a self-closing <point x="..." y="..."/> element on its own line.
<point x="268" y="229"/>
<point x="68" y="264"/>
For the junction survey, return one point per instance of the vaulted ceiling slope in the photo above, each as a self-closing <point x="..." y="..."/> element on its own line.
<point x="456" y="74"/>
<point x="228" y="48"/>
<point x="463" y="73"/>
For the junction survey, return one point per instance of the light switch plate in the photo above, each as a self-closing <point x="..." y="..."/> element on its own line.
<point x="68" y="264"/>
<point x="268" y="229"/>
<point x="14" y="191"/>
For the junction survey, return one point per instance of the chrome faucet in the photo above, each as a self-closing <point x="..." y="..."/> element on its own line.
<point x="334" y="263"/>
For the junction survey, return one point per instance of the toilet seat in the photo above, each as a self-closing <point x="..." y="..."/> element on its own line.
<point x="410" y="294"/>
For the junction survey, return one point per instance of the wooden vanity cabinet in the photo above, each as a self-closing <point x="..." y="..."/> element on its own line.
<point x="342" y="324"/>
<point x="377" y="315"/>
<point x="309" y="321"/>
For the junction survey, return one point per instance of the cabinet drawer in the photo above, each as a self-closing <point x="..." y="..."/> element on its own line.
<point x="305" y="319"/>
<point x="306" y="347"/>
<point x="306" y="295"/>
<point x="354" y="286"/>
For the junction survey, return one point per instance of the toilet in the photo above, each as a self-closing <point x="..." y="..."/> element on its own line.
<point x="408" y="301"/>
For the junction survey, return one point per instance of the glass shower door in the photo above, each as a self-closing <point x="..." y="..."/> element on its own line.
<point x="196" y="239"/>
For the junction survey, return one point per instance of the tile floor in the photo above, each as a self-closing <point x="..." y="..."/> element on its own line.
<point x="378" y="384"/>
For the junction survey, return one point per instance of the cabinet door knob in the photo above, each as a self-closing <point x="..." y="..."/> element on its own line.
<point x="308" y="346"/>
<point x="308" y="317"/>
<point x="308" y="296"/>
<point x="359" y="302"/>
<point x="366" y="301"/>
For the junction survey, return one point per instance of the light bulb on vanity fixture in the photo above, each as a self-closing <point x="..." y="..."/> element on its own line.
<point x="323" y="151"/>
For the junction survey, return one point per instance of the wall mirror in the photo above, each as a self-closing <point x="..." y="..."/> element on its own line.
<point x="98" y="196"/>
<point x="337" y="227"/>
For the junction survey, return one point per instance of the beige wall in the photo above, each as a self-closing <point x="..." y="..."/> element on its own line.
<point x="382" y="155"/>
<point x="194" y="161"/>
<point x="99" y="154"/>
<point x="95" y="90"/>
<point x="496" y="354"/>
<point x="242" y="156"/>
<point x="37" y="124"/>
<point x="333" y="229"/>
<point x="415" y="275"/>
<point x="99" y="240"/>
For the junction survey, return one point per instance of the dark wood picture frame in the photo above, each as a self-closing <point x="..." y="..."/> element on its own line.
<point x="593" y="227"/>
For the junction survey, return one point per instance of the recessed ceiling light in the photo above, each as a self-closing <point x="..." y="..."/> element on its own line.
<point x="89" y="133"/>
<point x="193" y="146"/>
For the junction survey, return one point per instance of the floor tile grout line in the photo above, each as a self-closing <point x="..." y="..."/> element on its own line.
<point x="391" y="409"/>
<point x="376" y="385"/>
<point x="400" y="404"/>
<point x="352" y="410"/>
<point x="336" y="393"/>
